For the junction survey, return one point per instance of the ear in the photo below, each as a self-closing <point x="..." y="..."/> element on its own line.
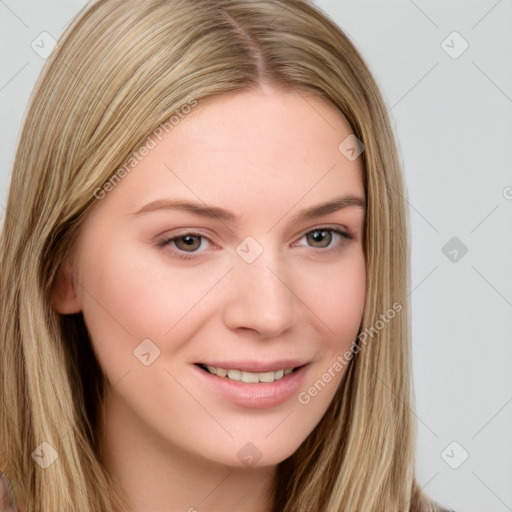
<point x="64" y="298"/>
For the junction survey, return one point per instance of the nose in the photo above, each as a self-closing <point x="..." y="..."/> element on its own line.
<point x="260" y="297"/>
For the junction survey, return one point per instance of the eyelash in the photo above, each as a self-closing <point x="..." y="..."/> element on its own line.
<point x="188" y="256"/>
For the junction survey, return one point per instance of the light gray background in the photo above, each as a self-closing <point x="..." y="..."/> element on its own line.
<point x="452" y="117"/>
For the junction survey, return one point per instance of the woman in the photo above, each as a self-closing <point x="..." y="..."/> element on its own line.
<point x="204" y="270"/>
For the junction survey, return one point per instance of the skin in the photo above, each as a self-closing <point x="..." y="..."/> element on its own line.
<point x="171" y="442"/>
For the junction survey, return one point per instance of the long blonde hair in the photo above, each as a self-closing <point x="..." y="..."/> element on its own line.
<point x="120" y="70"/>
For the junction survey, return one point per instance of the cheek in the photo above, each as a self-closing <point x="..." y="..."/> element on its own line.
<point x="336" y="295"/>
<point x="128" y="296"/>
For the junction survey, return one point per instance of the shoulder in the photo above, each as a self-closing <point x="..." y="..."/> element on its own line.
<point x="7" y="501"/>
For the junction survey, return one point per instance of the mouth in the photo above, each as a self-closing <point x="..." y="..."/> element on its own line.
<point x="253" y="384"/>
<point x="235" y="374"/>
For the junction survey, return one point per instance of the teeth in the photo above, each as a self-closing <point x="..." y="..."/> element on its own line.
<point x="267" y="377"/>
<point x="249" y="377"/>
<point x="234" y="374"/>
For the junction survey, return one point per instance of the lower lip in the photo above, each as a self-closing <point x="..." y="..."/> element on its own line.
<point x="256" y="395"/>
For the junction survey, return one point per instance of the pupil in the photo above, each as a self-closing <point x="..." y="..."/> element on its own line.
<point x="321" y="238"/>
<point x="189" y="242"/>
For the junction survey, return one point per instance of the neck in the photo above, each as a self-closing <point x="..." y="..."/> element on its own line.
<point x="154" y="474"/>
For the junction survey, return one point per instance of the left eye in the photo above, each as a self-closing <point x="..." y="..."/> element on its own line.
<point x="321" y="238"/>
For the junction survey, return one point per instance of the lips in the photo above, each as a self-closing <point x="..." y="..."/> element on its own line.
<point x="252" y="384"/>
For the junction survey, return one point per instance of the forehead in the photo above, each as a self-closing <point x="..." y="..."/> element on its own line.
<point x="265" y="148"/>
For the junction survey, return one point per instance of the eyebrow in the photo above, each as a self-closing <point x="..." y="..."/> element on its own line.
<point x="215" y="212"/>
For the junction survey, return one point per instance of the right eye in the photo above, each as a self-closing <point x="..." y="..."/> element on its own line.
<point x="184" y="246"/>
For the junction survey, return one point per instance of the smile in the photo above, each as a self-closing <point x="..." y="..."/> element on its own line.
<point x="247" y="377"/>
<point x="253" y="384"/>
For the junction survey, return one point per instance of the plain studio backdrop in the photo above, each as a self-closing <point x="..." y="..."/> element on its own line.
<point x="445" y="71"/>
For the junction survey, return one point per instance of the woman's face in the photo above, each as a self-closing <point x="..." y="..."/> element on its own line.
<point x="233" y="250"/>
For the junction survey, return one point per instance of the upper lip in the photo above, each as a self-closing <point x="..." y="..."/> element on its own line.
<point x="255" y="366"/>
